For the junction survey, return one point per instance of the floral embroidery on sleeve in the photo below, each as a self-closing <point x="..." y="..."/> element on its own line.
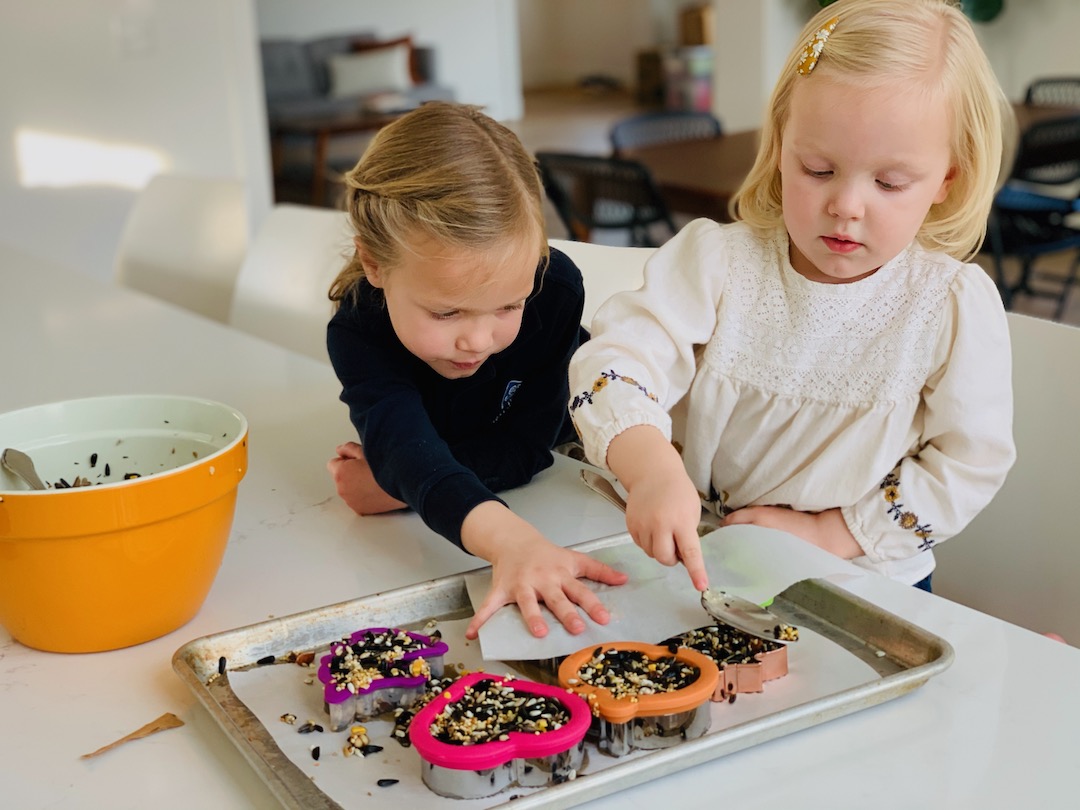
<point x="890" y="486"/>
<point x="586" y="397"/>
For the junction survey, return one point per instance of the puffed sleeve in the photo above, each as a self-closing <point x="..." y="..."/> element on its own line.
<point x="640" y="359"/>
<point x="966" y="446"/>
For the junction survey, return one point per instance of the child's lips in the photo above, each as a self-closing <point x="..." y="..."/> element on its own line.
<point x="466" y="366"/>
<point x="840" y="244"/>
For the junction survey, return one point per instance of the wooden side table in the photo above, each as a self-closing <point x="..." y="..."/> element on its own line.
<point x="321" y="129"/>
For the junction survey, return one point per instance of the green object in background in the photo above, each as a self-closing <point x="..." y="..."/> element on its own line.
<point x="977" y="10"/>
<point x="982" y="10"/>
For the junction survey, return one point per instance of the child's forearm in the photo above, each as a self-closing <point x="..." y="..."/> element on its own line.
<point x="489" y="528"/>
<point x="641" y="452"/>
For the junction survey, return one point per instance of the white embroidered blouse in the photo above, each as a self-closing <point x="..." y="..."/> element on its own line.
<point x="889" y="397"/>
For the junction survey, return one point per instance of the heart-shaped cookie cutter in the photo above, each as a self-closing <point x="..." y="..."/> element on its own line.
<point x="526" y="759"/>
<point x="346" y="703"/>
<point x="646" y="721"/>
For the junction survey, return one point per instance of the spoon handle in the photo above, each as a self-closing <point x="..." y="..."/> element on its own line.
<point x="21" y="465"/>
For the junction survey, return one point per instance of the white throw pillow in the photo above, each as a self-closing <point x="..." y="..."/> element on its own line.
<point x="372" y="71"/>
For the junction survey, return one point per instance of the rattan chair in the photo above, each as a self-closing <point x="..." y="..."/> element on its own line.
<point x="662" y="127"/>
<point x="1056" y="91"/>
<point x="1028" y="222"/>
<point x="594" y="192"/>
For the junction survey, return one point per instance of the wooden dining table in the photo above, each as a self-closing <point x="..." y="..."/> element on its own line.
<point x="699" y="177"/>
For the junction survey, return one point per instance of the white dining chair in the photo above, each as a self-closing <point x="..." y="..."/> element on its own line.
<point x="281" y="291"/>
<point x="605" y="269"/>
<point x="1019" y="560"/>
<point x="184" y="241"/>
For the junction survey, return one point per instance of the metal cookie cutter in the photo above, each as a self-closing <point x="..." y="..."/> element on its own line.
<point x="746" y="662"/>
<point x="401" y="678"/>
<point x="644" y="720"/>
<point x="526" y="759"/>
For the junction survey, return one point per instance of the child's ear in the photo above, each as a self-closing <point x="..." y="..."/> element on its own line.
<point x="372" y="271"/>
<point x="946" y="184"/>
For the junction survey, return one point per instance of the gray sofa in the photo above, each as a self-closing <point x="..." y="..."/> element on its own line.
<point x="298" y="78"/>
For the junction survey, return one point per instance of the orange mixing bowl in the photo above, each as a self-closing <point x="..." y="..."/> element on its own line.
<point x="131" y="556"/>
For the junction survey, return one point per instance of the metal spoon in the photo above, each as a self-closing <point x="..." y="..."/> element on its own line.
<point x="732" y="610"/>
<point x="745" y="615"/>
<point x="22" y="466"/>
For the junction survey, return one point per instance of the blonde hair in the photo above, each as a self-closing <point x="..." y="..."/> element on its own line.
<point x="444" y="172"/>
<point x="920" y="42"/>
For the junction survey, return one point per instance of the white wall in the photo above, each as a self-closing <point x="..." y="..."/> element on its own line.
<point x="1030" y="39"/>
<point x="178" y="78"/>
<point x="475" y="41"/>
<point x="562" y="41"/>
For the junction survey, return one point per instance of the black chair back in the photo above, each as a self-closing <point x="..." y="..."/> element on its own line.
<point x="592" y="191"/>
<point x="1049" y="152"/>
<point x="662" y="127"/>
<point x="1056" y="91"/>
<point x="1028" y="222"/>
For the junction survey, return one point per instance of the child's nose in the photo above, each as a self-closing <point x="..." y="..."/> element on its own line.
<point x="475" y="338"/>
<point x="846" y="202"/>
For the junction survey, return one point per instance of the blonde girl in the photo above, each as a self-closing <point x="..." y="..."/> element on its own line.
<point x="452" y="335"/>
<point x="841" y="372"/>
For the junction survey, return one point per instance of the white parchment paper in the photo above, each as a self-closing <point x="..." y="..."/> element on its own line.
<point x="658" y="601"/>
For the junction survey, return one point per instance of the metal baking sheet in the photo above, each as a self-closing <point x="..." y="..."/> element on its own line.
<point x="897" y="655"/>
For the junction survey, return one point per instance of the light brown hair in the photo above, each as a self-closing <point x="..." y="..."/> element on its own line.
<point x="446" y="173"/>
<point x="928" y="43"/>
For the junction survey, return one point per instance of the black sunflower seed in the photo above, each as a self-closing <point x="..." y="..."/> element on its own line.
<point x="386" y="782"/>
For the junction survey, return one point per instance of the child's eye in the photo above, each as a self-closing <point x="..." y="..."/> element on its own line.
<point x="815" y="173"/>
<point x="890" y="186"/>
<point x="514" y="307"/>
<point x="444" y="316"/>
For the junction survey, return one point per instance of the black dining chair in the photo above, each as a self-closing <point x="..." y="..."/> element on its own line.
<point x="1054" y="91"/>
<point x="593" y="191"/>
<point x="662" y="127"/>
<point x="1029" y="220"/>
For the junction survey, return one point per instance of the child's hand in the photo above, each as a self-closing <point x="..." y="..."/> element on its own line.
<point x="662" y="515"/>
<point x="662" y="506"/>
<point x="827" y="529"/>
<point x="356" y="484"/>
<point x="528" y="569"/>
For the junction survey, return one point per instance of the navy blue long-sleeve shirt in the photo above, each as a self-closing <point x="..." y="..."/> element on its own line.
<point x="444" y="446"/>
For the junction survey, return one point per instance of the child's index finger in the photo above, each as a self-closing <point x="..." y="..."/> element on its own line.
<point x="689" y="551"/>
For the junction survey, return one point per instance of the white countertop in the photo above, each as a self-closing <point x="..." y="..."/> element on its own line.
<point x="998" y="729"/>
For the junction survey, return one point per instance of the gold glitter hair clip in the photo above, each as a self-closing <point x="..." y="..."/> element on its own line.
<point x="812" y="52"/>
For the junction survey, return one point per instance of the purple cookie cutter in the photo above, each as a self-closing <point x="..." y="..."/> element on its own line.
<point x="384" y="694"/>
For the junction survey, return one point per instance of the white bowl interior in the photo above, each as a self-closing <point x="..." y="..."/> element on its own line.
<point x="109" y="439"/>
